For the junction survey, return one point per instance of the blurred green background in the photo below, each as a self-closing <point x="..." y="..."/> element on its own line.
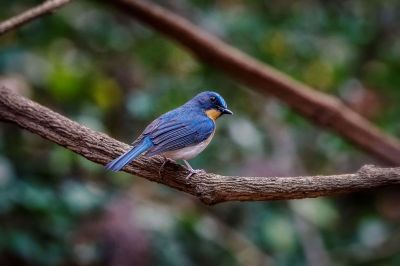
<point x="106" y="71"/>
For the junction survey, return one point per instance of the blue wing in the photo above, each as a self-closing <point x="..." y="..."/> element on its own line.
<point x="175" y="134"/>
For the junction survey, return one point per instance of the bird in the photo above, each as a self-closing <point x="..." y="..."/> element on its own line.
<point x="180" y="134"/>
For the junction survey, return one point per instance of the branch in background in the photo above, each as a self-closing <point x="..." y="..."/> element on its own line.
<point x="320" y="108"/>
<point x="31" y="14"/>
<point x="209" y="188"/>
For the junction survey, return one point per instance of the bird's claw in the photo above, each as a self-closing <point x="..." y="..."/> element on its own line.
<point x="166" y="160"/>
<point x="194" y="172"/>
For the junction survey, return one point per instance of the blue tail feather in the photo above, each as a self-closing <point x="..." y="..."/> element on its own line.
<point x="130" y="155"/>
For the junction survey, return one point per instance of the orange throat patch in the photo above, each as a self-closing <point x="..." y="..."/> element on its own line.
<point x="213" y="114"/>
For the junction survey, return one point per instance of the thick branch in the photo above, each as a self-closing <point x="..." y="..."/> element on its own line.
<point x="320" y="108"/>
<point x="210" y="188"/>
<point x="31" y="14"/>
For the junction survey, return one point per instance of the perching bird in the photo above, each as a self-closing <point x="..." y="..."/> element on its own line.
<point x="180" y="134"/>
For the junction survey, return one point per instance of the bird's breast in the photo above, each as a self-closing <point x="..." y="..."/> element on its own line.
<point x="189" y="152"/>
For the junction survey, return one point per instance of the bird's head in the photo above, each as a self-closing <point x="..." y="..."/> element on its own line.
<point x="212" y="104"/>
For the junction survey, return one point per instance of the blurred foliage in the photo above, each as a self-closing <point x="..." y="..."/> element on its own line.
<point x="104" y="70"/>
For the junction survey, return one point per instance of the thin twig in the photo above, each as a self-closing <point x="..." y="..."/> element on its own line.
<point x="31" y="14"/>
<point x="320" y="108"/>
<point x="209" y="188"/>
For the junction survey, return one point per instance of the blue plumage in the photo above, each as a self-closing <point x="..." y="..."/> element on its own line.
<point x="188" y="132"/>
<point x="179" y="134"/>
<point x="130" y="155"/>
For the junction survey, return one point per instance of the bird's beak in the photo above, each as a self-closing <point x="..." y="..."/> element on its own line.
<point x="227" y="111"/>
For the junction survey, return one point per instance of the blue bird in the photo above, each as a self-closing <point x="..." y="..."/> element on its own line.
<point x="180" y="134"/>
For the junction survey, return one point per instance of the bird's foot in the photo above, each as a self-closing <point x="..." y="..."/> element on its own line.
<point x="194" y="172"/>
<point x="166" y="160"/>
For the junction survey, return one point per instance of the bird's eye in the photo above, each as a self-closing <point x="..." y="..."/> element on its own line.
<point x="213" y="99"/>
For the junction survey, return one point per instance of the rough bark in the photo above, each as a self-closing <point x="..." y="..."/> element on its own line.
<point x="209" y="188"/>
<point x="318" y="107"/>
<point x="30" y="15"/>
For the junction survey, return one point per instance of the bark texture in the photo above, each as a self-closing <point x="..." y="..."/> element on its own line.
<point x="209" y="188"/>
<point x="320" y="108"/>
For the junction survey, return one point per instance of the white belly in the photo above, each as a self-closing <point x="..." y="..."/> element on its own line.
<point x="188" y="152"/>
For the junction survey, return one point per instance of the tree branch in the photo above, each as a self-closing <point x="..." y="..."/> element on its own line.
<point x="209" y="188"/>
<point x="30" y="15"/>
<point x="320" y="108"/>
